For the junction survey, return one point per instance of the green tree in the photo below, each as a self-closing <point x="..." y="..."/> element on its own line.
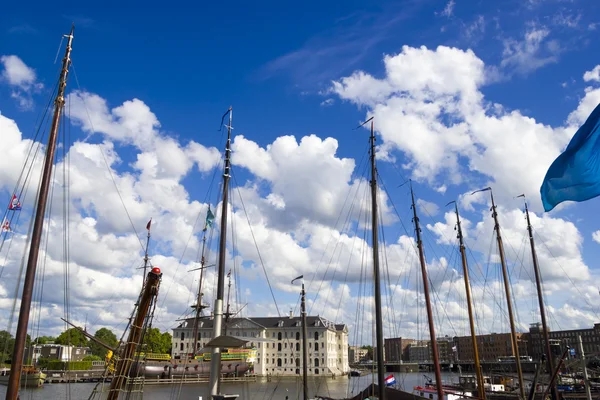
<point x="157" y="342"/>
<point x="45" y="339"/>
<point x="7" y="343"/>
<point x="107" y="337"/>
<point x="72" y="337"/>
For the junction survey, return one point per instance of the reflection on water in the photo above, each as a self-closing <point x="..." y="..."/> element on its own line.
<point x="260" y="390"/>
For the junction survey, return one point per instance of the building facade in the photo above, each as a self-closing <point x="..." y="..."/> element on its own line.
<point x="590" y="339"/>
<point x="490" y="347"/>
<point x="56" y="352"/>
<point x="357" y="354"/>
<point x="278" y="342"/>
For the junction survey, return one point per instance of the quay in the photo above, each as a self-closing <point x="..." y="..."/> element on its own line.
<point x="464" y="366"/>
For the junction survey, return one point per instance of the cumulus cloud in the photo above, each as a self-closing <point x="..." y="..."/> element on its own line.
<point x="21" y="78"/>
<point x="593" y="75"/>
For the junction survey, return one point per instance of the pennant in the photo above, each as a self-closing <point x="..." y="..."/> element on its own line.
<point x="14" y="205"/>
<point x="6" y="226"/>
<point x="390" y="380"/>
<point x="210" y="217"/>
<point x="229" y="274"/>
<point x="148" y="225"/>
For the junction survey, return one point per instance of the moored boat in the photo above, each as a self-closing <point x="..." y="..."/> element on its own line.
<point x="31" y="377"/>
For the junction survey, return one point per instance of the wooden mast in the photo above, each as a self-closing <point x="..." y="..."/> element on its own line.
<point x="513" y="331"/>
<point x="149" y="291"/>
<point x="215" y="360"/>
<point x="538" y="283"/>
<point x="376" y="274"/>
<point x="434" y="347"/>
<point x="463" y="254"/>
<point x="21" y="334"/>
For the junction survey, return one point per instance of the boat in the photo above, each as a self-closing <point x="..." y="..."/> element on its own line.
<point x="31" y="377"/>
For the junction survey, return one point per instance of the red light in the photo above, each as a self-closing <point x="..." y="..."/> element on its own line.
<point x="156" y="270"/>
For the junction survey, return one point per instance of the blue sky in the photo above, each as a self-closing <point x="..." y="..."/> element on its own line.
<point x="276" y="64"/>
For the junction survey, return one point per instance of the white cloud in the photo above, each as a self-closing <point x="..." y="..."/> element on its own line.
<point x="531" y="53"/>
<point x="593" y="75"/>
<point x="596" y="236"/>
<point x="327" y="102"/>
<point x="427" y="207"/>
<point x="21" y="78"/>
<point x="448" y="11"/>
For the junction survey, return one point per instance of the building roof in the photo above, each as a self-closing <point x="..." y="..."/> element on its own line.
<point x="268" y="322"/>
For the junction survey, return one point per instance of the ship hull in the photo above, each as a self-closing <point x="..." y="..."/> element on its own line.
<point x="31" y="380"/>
<point x="166" y="370"/>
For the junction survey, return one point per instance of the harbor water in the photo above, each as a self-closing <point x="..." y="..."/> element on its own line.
<point x="277" y="388"/>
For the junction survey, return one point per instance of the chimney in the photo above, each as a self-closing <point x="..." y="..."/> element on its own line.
<point x="291" y="314"/>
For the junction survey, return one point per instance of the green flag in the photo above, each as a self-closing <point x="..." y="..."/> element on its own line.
<point x="210" y="217"/>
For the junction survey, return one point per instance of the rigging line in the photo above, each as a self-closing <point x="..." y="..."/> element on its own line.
<point x="110" y="173"/>
<point x="567" y="275"/>
<point x="256" y="245"/>
<point x="387" y="288"/>
<point x="331" y="237"/>
<point x="354" y="176"/>
<point x="360" y="210"/>
<point x="346" y="227"/>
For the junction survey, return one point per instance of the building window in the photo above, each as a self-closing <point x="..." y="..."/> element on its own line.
<point x="316" y="346"/>
<point x="316" y="362"/>
<point x="278" y="335"/>
<point x="258" y="360"/>
<point x="316" y="335"/>
<point x="182" y="335"/>
<point x="297" y="362"/>
<point x="297" y="335"/>
<point x="279" y="362"/>
<point x="297" y="346"/>
<point x="181" y="346"/>
<point x="278" y="346"/>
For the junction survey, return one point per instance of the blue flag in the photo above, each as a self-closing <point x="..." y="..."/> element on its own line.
<point x="575" y="174"/>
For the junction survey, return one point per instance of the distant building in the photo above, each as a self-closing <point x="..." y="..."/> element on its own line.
<point x="281" y="354"/>
<point x="357" y="354"/>
<point x="418" y="353"/>
<point x="56" y="352"/>
<point x="490" y="346"/>
<point x="445" y="353"/>
<point x="397" y="349"/>
<point x="590" y="338"/>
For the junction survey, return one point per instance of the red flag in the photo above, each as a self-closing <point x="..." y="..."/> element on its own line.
<point x="149" y="223"/>
<point x="229" y="274"/>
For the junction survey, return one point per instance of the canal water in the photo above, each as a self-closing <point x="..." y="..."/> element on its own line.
<point x="276" y="389"/>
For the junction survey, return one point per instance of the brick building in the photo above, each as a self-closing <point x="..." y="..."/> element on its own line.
<point x="590" y="338"/>
<point x="490" y="346"/>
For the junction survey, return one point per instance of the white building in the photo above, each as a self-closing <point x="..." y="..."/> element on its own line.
<point x="279" y="351"/>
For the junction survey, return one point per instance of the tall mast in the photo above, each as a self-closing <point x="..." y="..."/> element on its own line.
<point x="215" y="360"/>
<point x="376" y="275"/>
<point x="304" y="340"/>
<point x="228" y="293"/>
<point x="198" y="307"/>
<point x="513" y="331"/>
<point x="149" y="291"/>
<point x="21" y="335"/>
<point x="480" y="381"/>
<point x="434" y="347"/>
<point x="538" y="283"/>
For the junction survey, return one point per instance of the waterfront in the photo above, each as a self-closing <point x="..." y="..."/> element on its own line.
<point x="276" y="389"/>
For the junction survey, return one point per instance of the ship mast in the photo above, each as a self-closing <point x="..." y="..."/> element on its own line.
<point x="434" y="347"/>
<point x="513" y="331"/>
<point x="304" y="340"/>
<point x="538" y="283"/>
<point x="215" y="360"/>
<point x="146" y="258"/>
<point x="21" y="334"/>
<point x="376" y="274"/>
<point x="198" y="307"/>
<point x="480" y="381"/>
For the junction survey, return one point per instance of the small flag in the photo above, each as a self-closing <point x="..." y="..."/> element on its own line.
<point x="6" y="225"/>
<point x="210" y="217"/>
<point x="575" y="174"/>
<point x="149" y="224"/>
<point x="390" y="380"/>
<point x="229" y="274"/>
<point x="454" y="348"/>
<point x="14" y="205"/>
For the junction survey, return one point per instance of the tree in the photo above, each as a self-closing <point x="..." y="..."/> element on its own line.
<point x="106" y="336"/>
<point x="45" y="340"/>
<point x="157" y="342"/>
<point x="72" y="337"/>
<point x="7" y="343"/>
